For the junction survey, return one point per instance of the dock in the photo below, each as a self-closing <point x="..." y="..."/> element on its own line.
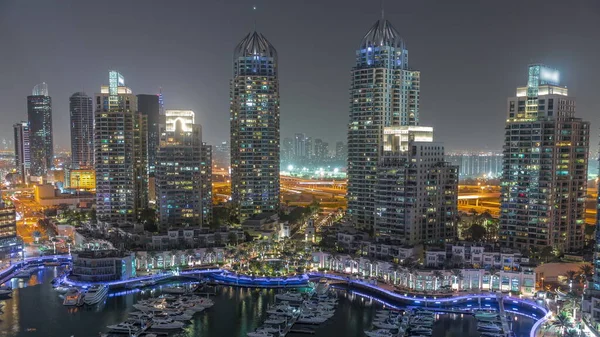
<point x="504" y="320"/>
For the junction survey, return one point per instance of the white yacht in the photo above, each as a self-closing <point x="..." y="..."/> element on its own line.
<point x="379" y="333"/>
<point x="74" y="296"/>
<point x="95" y="294"/>
<point x="275" y="320"/>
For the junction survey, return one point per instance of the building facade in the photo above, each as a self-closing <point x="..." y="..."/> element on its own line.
<point x="150" y="106"/>
<point x="206" y="185"/>
<point x="10" y="245"/>
<point x="120" y="155"/>
<point x="416" y="190"/>
<point x="384" y="92"/>
<point x="82" y="131"/>
<point x="545" y="167"/>
<point x="178" y="175"/>
<point x="103" y="265"/>
<point x="22" y="150"/>
<point x="254" y="123"/>
<point x="39" y="114"/>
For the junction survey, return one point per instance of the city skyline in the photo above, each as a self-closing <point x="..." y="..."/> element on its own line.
<point x="314" y="99"/>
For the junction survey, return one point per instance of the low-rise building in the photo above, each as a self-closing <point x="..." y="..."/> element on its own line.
<point x="430" y="280"/>
<point x="103" y="265"/>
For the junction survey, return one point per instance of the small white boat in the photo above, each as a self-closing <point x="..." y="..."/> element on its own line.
<point x="275" y="320"/>
<point x="311" y="319"/>
<point x="123" y="327"/>
<point x="74" y="297"/>
<point x="259" y="333"/>
<point x="166" y="324"/>
<point x="386" y="324"/>
<point x="5" y="291"/>
<point x="290" y="297"/>
<point x="95" y="294"/>
<point x="174" y="290"/>
<point x="379" y="333"/>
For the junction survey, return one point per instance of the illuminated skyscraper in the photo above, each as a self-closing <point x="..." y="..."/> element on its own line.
<point x="545" y="167"/>
<point x="39" y="114"/>
<point x="120" y="153"/>
<point x="384" y="92"/>
<point x="82" y="131"/>
<point x="179" y="170"/>
<point x="22" y="148"/>
<point x="254" y="122"/>
<point x="150" y="105"/>
<point x="416" y="192"/>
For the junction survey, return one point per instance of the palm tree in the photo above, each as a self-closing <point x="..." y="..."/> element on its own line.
<point x="209" y="253"/>
<point x="586" y="270"/>
<point x="561" y="322"/>
<point x="437" y="275"/>
<point x="372" y="262"/>
<point x="190" y="255"/>
<point x="493" y="272"/>
<point x="152" y="255"/>
<point x="458" y="276"/>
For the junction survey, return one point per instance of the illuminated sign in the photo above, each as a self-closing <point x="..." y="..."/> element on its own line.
<point x="551" y="76"/>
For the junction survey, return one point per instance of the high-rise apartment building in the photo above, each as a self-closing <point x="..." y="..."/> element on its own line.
<point x="474" y="165"/>
<point x="384" y="92"/>
<point x="254" y="125"/>
<point x="82" y="131"/>
<point x="39" y="114"/>
<point x="287" y="150"/>
<point x="222" y="155"/>
<point x="150" y="106"/>
<point x="341" y="151"/>
<point x="545" y="167"/>
<point x="416" y="192"/>
<point x="206" y="184"/>
<point x="178" y="173"/>
<point x="22" y="148"/>
<point x="120" y="153"/>
<point x="10" y="244"/>
<point x="301" y="146"/>
<point x="321" y="150"/>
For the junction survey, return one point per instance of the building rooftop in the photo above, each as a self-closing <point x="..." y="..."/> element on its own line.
<point x="255" y="44"/>
<point x="382" y="33"/>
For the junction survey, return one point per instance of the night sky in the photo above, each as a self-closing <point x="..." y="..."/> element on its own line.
<point x="472" y="55"/>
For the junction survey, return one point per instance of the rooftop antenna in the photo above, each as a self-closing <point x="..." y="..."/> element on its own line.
<point x="254" y="12"/>
<point x="382" y="9"/>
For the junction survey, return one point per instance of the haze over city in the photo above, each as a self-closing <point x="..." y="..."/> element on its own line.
<point x="471" y="55"/>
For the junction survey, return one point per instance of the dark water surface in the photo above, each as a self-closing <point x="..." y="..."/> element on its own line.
<point x="36" y="310"/>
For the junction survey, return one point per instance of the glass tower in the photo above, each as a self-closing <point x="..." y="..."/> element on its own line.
<point x="82" y="131"/>
<point x="39" y="114"/>
<point x="384" y="92"/>
<point x="254" y="122"/>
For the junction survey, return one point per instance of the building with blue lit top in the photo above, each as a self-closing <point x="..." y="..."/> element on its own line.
<point x="545" y="162"/>
<point x="384" y="92"/>
<point x="254" y="123"/>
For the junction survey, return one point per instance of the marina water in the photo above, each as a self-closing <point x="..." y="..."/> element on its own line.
<point x="36" y="310"/>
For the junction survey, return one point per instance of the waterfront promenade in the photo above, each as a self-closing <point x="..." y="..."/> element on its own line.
<point x="383" y="292"/>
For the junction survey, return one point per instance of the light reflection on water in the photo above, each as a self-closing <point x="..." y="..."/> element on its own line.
<point x="36" y="310"/>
